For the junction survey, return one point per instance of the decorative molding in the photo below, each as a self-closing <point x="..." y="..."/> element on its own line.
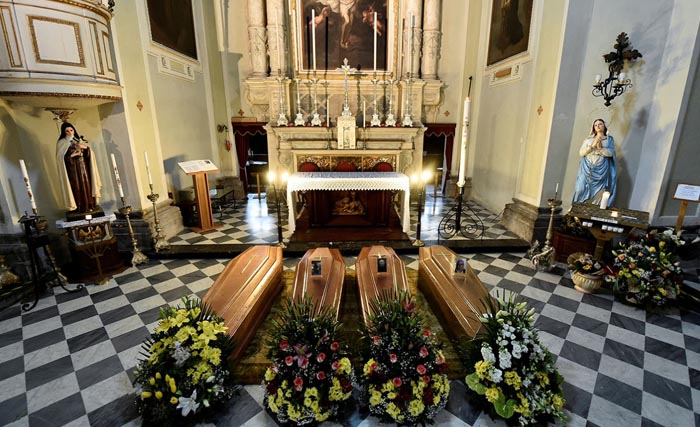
<point x="108" y="53"/>
<point x="102" y="11"/>
<point x="11" y="47"/>
<point x="172" y="66"/>
<point x="35" y="43"/>
<point x="60" y="95"/>
<point x="93" y="28"/>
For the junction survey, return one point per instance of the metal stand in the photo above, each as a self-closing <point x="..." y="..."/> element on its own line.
<point x="159" y="241"/>
<point x="407" y="119"/>
<point x="547" y="256"/>
<point x="418" y="241"/>
<point x="35" y="233"/>
<point x="139" y="257"/>
<point x="299" y="120"/>
<point x="280" y="241"/>
<point x="470" y="227"/>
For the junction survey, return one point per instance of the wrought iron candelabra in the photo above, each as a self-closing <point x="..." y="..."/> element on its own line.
<point x="159" y="241"/>
<point x="616" y="83"/>
<point x="461" y="219"/>
<point x="138" y="257"/>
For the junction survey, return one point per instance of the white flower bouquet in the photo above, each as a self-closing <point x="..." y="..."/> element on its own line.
<point x="511" y="372"/>
<point x="404" y="380"/>
<point x="186" y="371"/>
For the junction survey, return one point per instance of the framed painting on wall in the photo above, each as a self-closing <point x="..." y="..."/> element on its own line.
<point x="345" y="29"/>
<point x="172" y="25"/>
<point x="510" y="29"/>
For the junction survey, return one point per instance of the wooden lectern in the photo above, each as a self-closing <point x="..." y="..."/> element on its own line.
<point x="198" y="170"/>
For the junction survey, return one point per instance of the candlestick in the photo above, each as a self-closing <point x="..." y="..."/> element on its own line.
<point x="116" y="176"/>
<point x="313" y="36"/>
<point x="375" y="42"/>
<point x="148" y="168"/>
<point x="364" y="113"/>
<point x="28" y="185"/>
<point x="328" y="115"/>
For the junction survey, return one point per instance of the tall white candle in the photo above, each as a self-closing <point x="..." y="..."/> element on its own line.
<point x="364" y="113"/>
<point x="556" y="191"/>
<point x="27" y="184"/>
<point x="313" y="36"/>
<point x="375" y="42"/>
<point x="604" y="200"/>
<point x="148" y="168"/>
<point x="328" y="115"/>
<point x="463" y="148"/>
<point x="277" y="39"/>
<point x="116" y="176"/>
<point x="410" y="46"/>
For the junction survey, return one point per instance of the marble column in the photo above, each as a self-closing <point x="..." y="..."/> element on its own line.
<point x="276" y="21"/>
<point x="431" y="39"/>
<point x="413" y="8"/>
<point x="257" y="43"/>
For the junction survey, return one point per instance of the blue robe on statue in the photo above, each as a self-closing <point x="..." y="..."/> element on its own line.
<point x="597" y="172"/>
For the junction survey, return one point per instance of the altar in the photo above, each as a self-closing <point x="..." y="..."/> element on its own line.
<point x="351" y="204"/>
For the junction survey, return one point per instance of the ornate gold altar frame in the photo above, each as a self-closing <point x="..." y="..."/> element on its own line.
<point x="300" y="44"/>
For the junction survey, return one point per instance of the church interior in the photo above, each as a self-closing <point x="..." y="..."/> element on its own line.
<point x="149" y="145"/>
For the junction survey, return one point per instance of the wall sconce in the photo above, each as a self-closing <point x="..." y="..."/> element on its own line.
<point x="616" y="83"/>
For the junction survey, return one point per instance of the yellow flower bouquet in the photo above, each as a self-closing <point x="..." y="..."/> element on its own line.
<point x="310" y="378"/>
<point x="511" y="372"/>
<point x="185" y="373"/>
<point x="403" y="378"/>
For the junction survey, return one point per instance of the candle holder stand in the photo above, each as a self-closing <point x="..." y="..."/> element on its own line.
<point x="418" y="242"/>
<point x="35" y="234"/>
<point x="407" y="119"/>
<point x="278" y="208"/>
<point x="546" y="257"/>
<point x="138" y="256"/>
<point x="316" y="119"/>
<point x="375" y="115"/>
<point x="159" y="242"/>
<point x="282" y="119"/>
<point x="462" y="220"/>
<point x="299" y="120"/>
<point x="390" y="118"/>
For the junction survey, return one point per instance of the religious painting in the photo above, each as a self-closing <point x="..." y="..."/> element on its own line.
<point x="381" y="265"/>
<point x="316" y="267"/>
<point x="344" y="29"/>
<point x="172" y="25"/>
<point x="460" y="265"/>
<point x="510" y="29"/>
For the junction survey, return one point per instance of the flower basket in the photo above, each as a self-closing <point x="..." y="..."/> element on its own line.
<point x="511" y="373"/>
<point x="311" y="376"/>
<point x="586" y="283"/>
<point x="404" y="380"/>
<point x="646" y="271"/>
<point x="186" y="373"/>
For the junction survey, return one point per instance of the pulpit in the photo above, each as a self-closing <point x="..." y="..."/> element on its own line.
<point x="198" y="170"/>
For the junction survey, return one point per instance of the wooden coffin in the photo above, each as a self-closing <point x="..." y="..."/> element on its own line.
<point x="372" y="281"/>
<point x="456" y="298"/>
<point x="244" y="292"/>
<point x="320" y="275"/>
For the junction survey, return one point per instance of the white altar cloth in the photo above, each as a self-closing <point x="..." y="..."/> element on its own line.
<point x="304" y="181"/>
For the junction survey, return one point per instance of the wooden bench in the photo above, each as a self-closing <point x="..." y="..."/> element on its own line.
<point x="320" y="275"/>
<point x="244" y="292"/>
<point x="373" y="283"/>
<point x="457" y="299"/>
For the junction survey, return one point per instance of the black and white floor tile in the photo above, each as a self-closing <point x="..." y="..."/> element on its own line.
<point x="69" y="361"/>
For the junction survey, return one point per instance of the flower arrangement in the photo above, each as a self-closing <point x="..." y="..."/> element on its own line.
<point x="585" y="264"/>
<point x="512" y="373"/>
<point x="185" y="372"/>
<point x="404" y="380"/>
<point x="311" y="376"/>
<point x="646" y="270"/>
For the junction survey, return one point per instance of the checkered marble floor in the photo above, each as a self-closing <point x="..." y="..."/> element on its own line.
<point x="253" y="221"/>
<point x="69" y="361"/>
